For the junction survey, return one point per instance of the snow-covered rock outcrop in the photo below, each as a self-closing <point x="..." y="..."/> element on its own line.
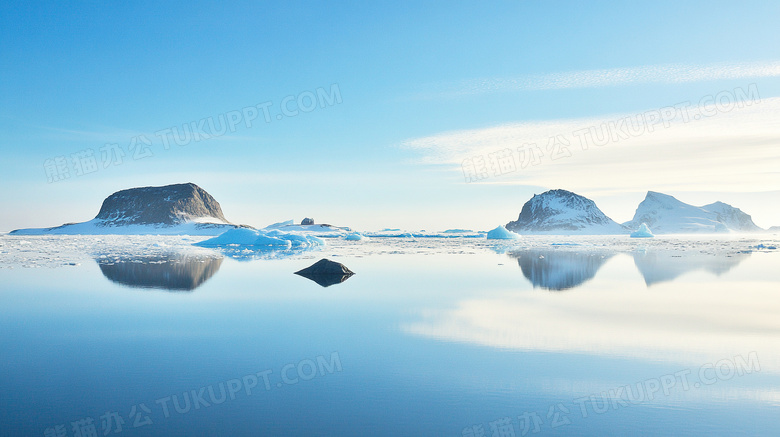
<point x="179" y="209"/>
<point x="563" y="212"/>
<point x="732" y="217"/>
<point x="665" y="214"/>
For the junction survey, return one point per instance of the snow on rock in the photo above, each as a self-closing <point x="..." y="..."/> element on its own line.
<point x="167" y="205"/>
<point x="642" y="232"/>
<point x="501" y="233"/>
<point x="732" y="217"/>
<point x="667" y="215"/>
<point x="561" y="212"/>
<point x="259" y="238"/>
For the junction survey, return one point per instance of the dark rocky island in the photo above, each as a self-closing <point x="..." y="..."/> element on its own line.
<point x="171" y="209"/>
<point x="167" y="205"/>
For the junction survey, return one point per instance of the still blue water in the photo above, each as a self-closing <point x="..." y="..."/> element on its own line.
<point x="454" y="341"/>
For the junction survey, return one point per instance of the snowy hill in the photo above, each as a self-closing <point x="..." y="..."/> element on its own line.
<point x="665" y="214"/>
<point x="563" y="212"/>
<point x="733" y="218"/>
<point x="180" y="209"/>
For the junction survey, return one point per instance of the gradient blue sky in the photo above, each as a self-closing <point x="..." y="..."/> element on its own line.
<point x="79" y="75"/>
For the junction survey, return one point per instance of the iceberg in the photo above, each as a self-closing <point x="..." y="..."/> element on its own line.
<point x="258" y="238"/>
<point x="642" y="232"/>
<point x="501" y="233"/>
<point x="356" y="236"/>
<point x="281" y="224"/>
<point x="324" y="230"/>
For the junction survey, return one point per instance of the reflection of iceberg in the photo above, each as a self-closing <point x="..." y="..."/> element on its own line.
<point x="252" y="253"/>
<point x="693" y="322"/>
<point x="666" y="265"/>
<point x="559" y="269"/>
<point x="168" y="272"/>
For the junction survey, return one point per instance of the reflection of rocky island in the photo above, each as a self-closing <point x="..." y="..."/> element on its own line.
<point x="559" y="269"/>
<point x="667" y="265"/>
<point x="168" y="272"/>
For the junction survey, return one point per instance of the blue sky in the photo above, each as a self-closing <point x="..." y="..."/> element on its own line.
<point x="422" y="87"/>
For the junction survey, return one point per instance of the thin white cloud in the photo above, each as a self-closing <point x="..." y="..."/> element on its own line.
<point x="648" y="74"/>
<point x="734" y="150"/>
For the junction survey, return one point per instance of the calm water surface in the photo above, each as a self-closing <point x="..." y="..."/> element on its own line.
<point x="450" y="338"/>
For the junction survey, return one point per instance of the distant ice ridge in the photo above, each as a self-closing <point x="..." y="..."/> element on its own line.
<point x="642" y="232"/>
<point x="501" y="233"/>
<point x="275" y="239"/>
<point x="101" y="227"/>
<point x="452" y="233"/>
<point x="356" y="236"/>
<point x="322" y="230"/>
<point x="667" y="215"/>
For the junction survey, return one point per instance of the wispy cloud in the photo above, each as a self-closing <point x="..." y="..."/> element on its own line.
<point x="738" y="150"/>
<point x="648" y="74"/>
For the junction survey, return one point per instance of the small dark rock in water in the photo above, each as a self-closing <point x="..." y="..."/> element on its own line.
<point x="307" y="221"/>
<point x="326" y="272"/>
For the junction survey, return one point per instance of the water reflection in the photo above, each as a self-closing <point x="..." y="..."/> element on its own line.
<point x="692" y="320"/>
<point x="173" y="272"/>
<point x="562" y="269"/>
<point x="557" y="270"/>
<point x="252" y="253"/>
<point x="664" y="266"/>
